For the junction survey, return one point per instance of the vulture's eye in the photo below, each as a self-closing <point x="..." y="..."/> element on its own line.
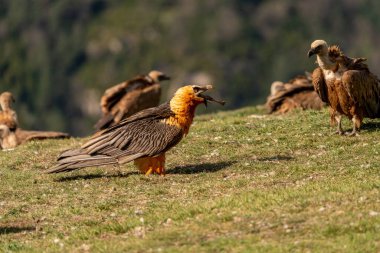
<point x="196" y="89"/>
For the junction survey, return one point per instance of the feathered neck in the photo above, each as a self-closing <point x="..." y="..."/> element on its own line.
<point x="327" y="59"/>
<point x="6" y="99"/>
<point x="183" y="106"/>
<point x="4" y="131"/>
<point x="5" y="105"/>
<point x="324" y="62"/>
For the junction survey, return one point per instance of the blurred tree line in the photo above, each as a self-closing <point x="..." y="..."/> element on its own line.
<point x="58" y="56"/>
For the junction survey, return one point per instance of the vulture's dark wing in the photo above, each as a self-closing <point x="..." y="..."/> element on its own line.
<point x="363" y="88"/>
<point x="113" y="95"/>
<point x="320" y="84"/>
<point x="135" y="101"/>
<point x="25" y="135"/>
<point x="117" y="99"/>
<point x="143" y="134"/>
<point x="297" y="85"/>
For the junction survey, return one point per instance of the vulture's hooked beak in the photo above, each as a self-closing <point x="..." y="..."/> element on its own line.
<point x="202" y="89"/>
<point x="311" y="52"/>
<point x="164" y="77"/>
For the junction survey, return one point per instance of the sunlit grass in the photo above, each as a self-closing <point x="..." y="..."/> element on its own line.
<point x="238" y="183"/>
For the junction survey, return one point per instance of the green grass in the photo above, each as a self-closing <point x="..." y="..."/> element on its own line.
<point x="237" y="183"/>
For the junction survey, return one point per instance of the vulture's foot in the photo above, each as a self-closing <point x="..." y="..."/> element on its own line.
<point x="355" y="130"/>
<point x="339" y="132"/>
<point x="353" y="133"/>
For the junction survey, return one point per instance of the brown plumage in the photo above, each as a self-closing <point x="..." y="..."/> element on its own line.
<point x="298" y="93"/>
<point x="11" y="135"/>
<point x="129" y="97"/>
<point x="11" y="139"/>
<point x="346" y="85"/>
<point x="26" y="135"/>
<point x="8" y="139"/>
<point x="143" y="137"/>
<point x="8" y="116"/>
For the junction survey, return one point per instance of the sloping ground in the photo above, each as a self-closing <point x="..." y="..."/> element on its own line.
<point x="238" y="183"/>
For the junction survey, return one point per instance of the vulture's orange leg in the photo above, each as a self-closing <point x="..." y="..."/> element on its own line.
<point x="160" y="164"/>
<point x="149" y="165"/>
<point x="149" y="171"/>
<point x="160" y="171"/>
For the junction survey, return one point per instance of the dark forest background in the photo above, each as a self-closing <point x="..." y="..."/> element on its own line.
<point x="58" y="56"/>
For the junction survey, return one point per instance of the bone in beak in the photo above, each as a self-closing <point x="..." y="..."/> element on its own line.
<point x="221" y="102"/>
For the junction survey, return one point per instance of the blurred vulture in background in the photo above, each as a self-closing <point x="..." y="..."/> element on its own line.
<point x="298" y="93"/>
<point x="129" y="97"/>
<point x="10" y="134"/>
<point x="346" y="85"/>
<point x="8" y="117"/>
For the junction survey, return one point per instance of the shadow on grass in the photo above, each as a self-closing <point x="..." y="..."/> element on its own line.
<point x="94" y="176"/>
<point x="14" y="230"/>
<point x="370" y="126"/>
<point x="186" y="169"/>
<point x="202" y="167"/>
<point x="275" y="158"/>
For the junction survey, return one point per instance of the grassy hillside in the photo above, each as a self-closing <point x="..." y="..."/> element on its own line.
<point x="58" y="57"/>
<point x="237" y="183"/>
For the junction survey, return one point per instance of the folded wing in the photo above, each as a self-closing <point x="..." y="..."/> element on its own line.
<point x="143" y="134"/>
<point x="363" y="88"/>
<point x="320" y="84"/>
<point x="120" y="101"/>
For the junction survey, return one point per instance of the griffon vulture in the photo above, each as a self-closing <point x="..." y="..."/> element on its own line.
<point x="10" y="134"/>
<point x="297" y="93"/>
<point x="129" y="97"/>
<point x="8" y="116"/>
<point x="346" y="85"/>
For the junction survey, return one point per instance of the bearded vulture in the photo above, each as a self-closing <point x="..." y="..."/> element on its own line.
<point x="144" y="137"/>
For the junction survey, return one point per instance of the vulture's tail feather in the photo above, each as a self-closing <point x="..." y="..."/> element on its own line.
<point x="75" y="159"/>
